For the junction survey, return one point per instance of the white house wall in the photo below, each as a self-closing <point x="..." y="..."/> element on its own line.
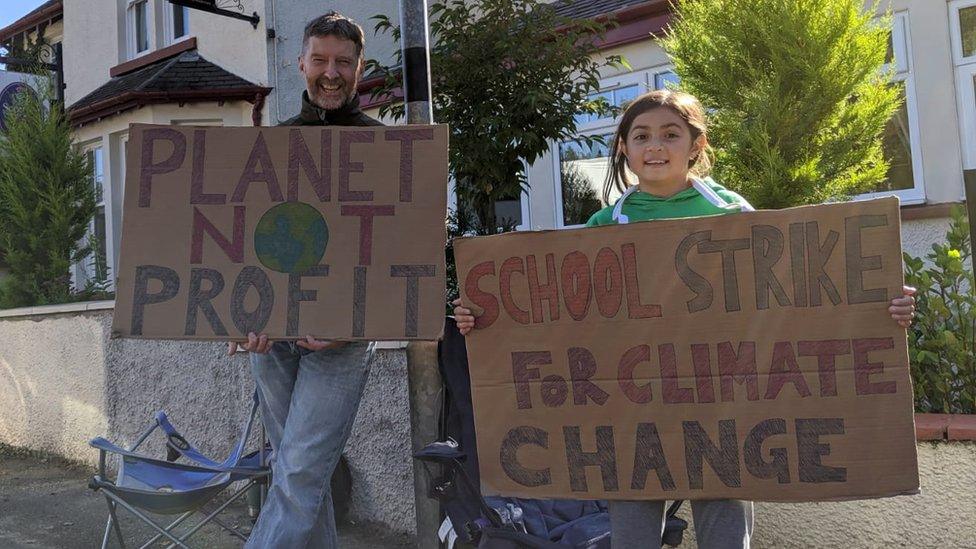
<point x="91" y="48"/>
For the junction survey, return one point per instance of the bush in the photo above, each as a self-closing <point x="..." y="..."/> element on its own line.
<point x="942" y="340"/>
<point x="795" y="91"/>
<point x="47" y="202"/>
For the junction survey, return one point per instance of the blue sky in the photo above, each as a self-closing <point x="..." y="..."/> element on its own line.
<point x="12" y="10"/>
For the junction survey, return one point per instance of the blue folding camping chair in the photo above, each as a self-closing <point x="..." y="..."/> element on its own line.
<point x="145" y="484"/>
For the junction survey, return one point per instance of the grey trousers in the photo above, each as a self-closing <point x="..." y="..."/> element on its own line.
<point x="719" y="524"/>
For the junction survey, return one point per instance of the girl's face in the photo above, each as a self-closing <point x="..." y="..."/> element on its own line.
<point x="659" y="149"/>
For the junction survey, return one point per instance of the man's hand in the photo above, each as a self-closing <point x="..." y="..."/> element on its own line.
<point x="463" y="317"/>
<point x="254" y="344"/>
<point x="313" y="344"/>
<point x="902" y="308"/>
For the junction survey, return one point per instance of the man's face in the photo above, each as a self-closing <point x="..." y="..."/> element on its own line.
<point x="332" y="70"/>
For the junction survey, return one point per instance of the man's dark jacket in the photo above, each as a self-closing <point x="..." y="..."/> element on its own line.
<point x="346" y="115"/>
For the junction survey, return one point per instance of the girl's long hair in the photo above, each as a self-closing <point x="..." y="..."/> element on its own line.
<point x="684" y="105"/>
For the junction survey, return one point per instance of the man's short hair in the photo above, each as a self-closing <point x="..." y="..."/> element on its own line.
<point x="334" y="24"/>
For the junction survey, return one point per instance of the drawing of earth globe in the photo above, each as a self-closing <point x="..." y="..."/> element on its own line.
<point x="291" y="237"/>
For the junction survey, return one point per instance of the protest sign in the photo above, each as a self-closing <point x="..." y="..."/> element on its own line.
<point x="746" y="356"/>
<point x="333" y="232"/>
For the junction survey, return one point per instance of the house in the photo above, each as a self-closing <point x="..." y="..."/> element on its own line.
<point x="144" y="61"/>
<point x="931" y="141"/>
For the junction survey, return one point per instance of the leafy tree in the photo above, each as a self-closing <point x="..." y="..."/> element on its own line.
<point x="509" y="77"/>
<point x="46" y="204"/>
<point x="796" y="92"/>
<point x="942" y="340"/>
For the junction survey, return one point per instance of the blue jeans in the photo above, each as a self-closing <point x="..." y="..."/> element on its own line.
<point x="719" y="524"/>
<point x="308" y="403"/>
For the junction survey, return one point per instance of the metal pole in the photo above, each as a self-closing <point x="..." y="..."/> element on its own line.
<point x="422" y="370"/>
<point x="416" y="61"/>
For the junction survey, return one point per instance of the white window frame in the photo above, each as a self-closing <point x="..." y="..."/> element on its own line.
<point x="170" y="23"/>
<point x="955" y="30"/>
<point x="902" y="68"/>
<point x="965" y="76"/>
<point x="966" y="97"/>
<point x="84" y="271"/>
<point x="609" y="85"/>
<point x="130" y="28"/>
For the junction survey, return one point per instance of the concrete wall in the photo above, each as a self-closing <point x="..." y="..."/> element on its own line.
<point x="64" y="382"/>
<point x="943" y="515"/>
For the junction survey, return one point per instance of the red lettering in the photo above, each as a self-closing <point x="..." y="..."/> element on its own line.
<point x="487" y="302"/>
<point x="826" y="352"/>
<point x="635" y="309"/>
<point x="510" y="266"/>
<point x="670" y="391"/>
<point x="575" y="273"/>
<point x="539" y="292"/>
<point x="640" y="394"/>
<point x="863" y="369"/>
<point x="234" y="249"/>
<point x="738" y="368"/>
<point x="366" y="214"/>
<point x="608" y="282"/>
<point x="783" y="369"/>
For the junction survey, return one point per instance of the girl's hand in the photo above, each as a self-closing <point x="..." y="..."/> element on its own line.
<point x="254" y="344"/>
<point x="463" y="317"/>
<point x="902" y="309"/>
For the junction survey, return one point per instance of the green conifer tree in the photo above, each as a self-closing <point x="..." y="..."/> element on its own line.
<point x="797" y="97"/>
<point x="46" y="203"/>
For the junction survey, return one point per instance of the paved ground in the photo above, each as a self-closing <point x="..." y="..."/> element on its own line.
<point x="45" y="503"/>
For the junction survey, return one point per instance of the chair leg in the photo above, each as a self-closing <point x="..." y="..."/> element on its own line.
<point x="217" y="511"/>
<point x="108" y="532"/>
<point x="147" y="520"/>
<point x="170" y="527"/>
<point x="113" y="523"/>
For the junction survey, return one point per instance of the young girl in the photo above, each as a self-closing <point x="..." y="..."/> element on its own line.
<point x="662" y="140"/>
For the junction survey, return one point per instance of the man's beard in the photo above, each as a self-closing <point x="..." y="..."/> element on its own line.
<point x="333" y="100"/>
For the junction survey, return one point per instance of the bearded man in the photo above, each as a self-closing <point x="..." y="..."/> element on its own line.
<point x="309" y="389"/>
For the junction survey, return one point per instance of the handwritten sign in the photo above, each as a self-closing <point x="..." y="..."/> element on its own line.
<point x="334" y="232"/>
<point x="746" y="356"/>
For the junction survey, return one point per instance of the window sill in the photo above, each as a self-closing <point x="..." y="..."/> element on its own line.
<point x="152" y="57"/>
<point x="61" y="308"/>
<point x="927" y="211"/>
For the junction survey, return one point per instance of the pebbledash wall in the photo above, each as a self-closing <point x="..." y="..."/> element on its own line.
<point x="63" y="381"/>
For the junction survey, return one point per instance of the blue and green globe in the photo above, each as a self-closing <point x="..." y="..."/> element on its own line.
<point x="291" y="237"/>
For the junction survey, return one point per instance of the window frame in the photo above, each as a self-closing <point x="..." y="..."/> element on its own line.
<point x="964" y="71"/>
<point x="901" y="66"/>
<point x="132" y="48"/>
<point x="85" y="271"/>
<point x="169" y="28"/>
<point x="955" y="31"/>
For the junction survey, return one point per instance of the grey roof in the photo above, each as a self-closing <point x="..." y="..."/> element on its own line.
<point x="587" y="9"/>
<point x="184" y="72"/>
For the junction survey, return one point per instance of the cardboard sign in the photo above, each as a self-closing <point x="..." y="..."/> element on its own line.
<point x="325" y="231"/>
<point x="746" y="356"/>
